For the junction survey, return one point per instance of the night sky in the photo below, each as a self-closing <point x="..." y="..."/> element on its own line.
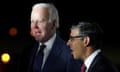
<point x="16" y="13"/>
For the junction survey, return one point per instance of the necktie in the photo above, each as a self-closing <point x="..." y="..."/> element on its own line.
<point x="83" y="68"/>
<point x="38" y="59"/>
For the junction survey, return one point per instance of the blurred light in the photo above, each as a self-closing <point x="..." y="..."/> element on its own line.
<point x="13" y="31"/>
<point x="31" y="33"/>
<point x="5" y="58"/>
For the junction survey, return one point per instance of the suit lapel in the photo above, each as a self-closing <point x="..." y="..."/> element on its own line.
<point x="33" y="53"/>
<point x="94" y="64"/>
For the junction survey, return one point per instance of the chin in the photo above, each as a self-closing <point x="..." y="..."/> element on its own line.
<point x="75" y="57"/>
<point x="38" y="39"/>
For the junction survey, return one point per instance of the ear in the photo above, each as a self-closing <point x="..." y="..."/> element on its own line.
<point x="86" y="41"/>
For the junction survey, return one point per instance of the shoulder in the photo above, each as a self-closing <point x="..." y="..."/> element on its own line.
<point x="104" y="64"/>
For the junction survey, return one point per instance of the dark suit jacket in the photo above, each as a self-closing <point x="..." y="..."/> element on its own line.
<point x="59" y="59"/>
<point x="102" y="64"/>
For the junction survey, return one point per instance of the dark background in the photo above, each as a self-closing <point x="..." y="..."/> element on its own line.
<point x="16" y="13"/>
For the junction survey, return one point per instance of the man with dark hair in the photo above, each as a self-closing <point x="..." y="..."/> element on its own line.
<point x="86" y="43"/>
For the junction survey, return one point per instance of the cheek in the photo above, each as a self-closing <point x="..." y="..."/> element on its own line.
<point x="31" y="26"/>
<point x="32" y="29"/>
<point x="49" y="27"/>
<point x="45" y="30"/>
<point x="48" y="30"/>
<point x="78" y="48"/>
<point x="75" y="47"/>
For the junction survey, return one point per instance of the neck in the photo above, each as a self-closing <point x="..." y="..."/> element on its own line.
<point x="89" y="51"/>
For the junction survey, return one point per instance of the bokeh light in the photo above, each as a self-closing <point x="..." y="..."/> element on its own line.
<point x="31" y="33"/>
<point x="5" y="58"/>
<point x="13" y="31"/>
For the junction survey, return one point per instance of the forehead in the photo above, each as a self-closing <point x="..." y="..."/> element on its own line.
<point x="41" y="11"/>
<point x="74" y="32"/>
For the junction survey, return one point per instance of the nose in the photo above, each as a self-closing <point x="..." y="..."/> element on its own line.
<point x="68" y="42"/>
<point x="35" y="25"/>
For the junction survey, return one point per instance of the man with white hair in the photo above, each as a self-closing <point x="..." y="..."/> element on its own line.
<point x="57" y="57"/>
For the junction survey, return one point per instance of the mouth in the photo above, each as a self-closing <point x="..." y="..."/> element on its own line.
<point x="37" y="33"/>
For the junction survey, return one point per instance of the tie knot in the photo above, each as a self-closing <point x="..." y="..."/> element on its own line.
<point x="42" y="46"/>
<point x="83" y="68"/>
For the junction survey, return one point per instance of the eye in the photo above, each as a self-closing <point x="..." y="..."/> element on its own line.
<point x="42" y="21"/>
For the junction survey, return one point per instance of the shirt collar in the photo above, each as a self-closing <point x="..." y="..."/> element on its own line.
<point x="90" y="59"/>
<point x="50" y="42"/>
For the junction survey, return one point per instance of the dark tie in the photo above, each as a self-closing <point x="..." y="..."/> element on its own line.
<point x="38" y="59"/>
<point x="83" y="68"/>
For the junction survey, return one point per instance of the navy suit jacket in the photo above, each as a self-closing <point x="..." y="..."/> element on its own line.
<point x="102" y="64"/>
<point x="59" y="59"/>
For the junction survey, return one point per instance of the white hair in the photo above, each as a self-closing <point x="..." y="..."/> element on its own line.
<point x="53" y="12"/>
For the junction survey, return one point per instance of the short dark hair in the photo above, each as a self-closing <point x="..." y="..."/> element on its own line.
<point x="93" y="30"/>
